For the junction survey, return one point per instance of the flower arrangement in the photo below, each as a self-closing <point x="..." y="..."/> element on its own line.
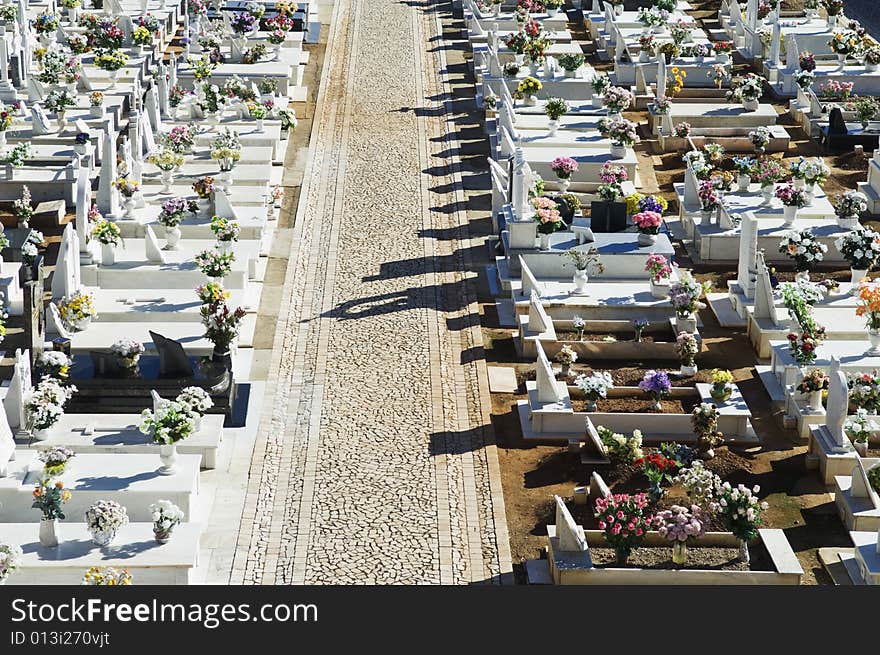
<point x="749" y="87"/>
<point x="243" y="23"/>
<point x="662" y="105"/>
<point x="874" y="478"/>
<point x="656" y="384"/>
<point x="621" y="448"/>
<point x="804" y="248"/>
<point x="845" y="42"/>
<point x="173" y="210"/>
<point x="599" y="83"/>
<point x="197" y="399"/>
<point x="165" y="159"/>
<point x="611" y="177"/>
<point x="536" y="47"/>
<point x="621" y="131"/>
<point x="699" y="483"/>
<point x="106" y="516"/>
<point x="743" y="165"/>
<point x="516" y="42"/>
<point x="22" y="208"/>
<point x="851" y="204"/>
<point x="254" y="54"/>
<point x="211" y="293"/>
<point x="564" y="167"/>
<point x="529" y="86"/>
<point x="872" y="55"/>
<point x="658" y="268"/>
<point x="685" y="295"/>
<point x="584" y="259"/>
<point x="570" y="61"/>
<point x="225" y="229"/>
<point x="653" y="17"/>
<point x="804" y="79"/>
<point x="834" y="90"/>
<point x="651" y="203"/>
<point x="740" y="509"/>
<point x="595" y="386"/>
<point x="864" y="391"/>
<point x="176" y="94"/>
<point x="98" y="576"/>
<point x="555" y="107"/>
<point x="165" y="516"/>
<point x="11" y="557"/>
<point x="722" y="47"/>
<point x="760" y="138"/>
<point x="126" y="186"/>
<point x="111" y="60"/>
<point x="708" y="195"/>
<point x="803" y="346"/>
<point x="680" y="31"/>
<point x="214" y="263"/>
<point x="55" y="460"/>
<point x="677" y="75"/>
<point x="171" y="422"/>
<point x="547" y="216"/>
<point x="141" y="36"/>
<point x="721" y="382"/>
<point x="202" y="68"/>
<point x="258" y="110"/>
<point x="792" y="196"/>
<point x="19" y="154"/>
<point x="624" y="519"/>
<point x="815" y="380"/>
<point x="686" y="347"/>
<point x="657" y="468"/>
<point x="50" y="498"/>
<point x="860" y="247"/>
<point x="639" y="326"/>
<point x="107" y="232"/>
<point x="127" y="350"/>
<point x="696" y="161"/>
<point x="618" y="99"/>
<point x="679" y="524"/>
<point x="566" y="356"/>
<point x="45" y="22"/>
<point x="647" y="222"/>
<point x="76" y="307"/>
<point x="860" y="426"/>
<point x="204" y="186"/>
<point x="221" y="324"/>
<point x="54" y="363"/>
<point x="868" y="304"/>
<point x="682" y="130"/>
<point x="767" y="172"/>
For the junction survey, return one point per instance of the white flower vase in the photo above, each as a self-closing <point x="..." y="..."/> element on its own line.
<point x="874" y="338"/>
<point x="742" y="183"/>
<point x="108" y="254"/>
<point x="564" y="183"/>
<point x="861" y="448"/>
<point x="814" y="401"/>
<point x="544" y="241"/>
<point x="553" y="127"/>
<point x="2" y="141"/>
<point x="224" y="246"/>
<point x="261" y="127"/>
<point x="647" y="239"/>
<point x="789" y="215"/>
<point x="103" y="537"/>
<point x="618" y="151"/>
<point x="530" y="101"/>
<point x="750" y="104"/>
<point x="643" y="57"/>
<point x="96" y="111"/>
<point x="871" y="68"/>
<point x="856" y="275"/>
<point x="581" y="277"/>
<point x="688" y="371"/>
<point x="41" y="435"/>
<point x="767" y="192"/>
<point x="533" y="69"/>
<point x="848" y="222"/>
<point x="114" y="77"/>
<point x="660" y="290"/>
<point x="598" y="100"/>
<point x="144" y="4"/>
<point x="172" y="238"/>
<point x="705" y="216"/>
<point x="552" y="11"/>
<point x="62" y="121"/>
<point x="722" y="57"/>
<point x="841" y="59"/>
<point x="802" y="277"/>
<point x="204" y="206"/>
<point x="49" y="533"/>
<point x="571" y="74"/>
<point x="80" y="148"/>
<point x="167" y="181"/>
<point x="140" y="50"/>
<point x="799" y="183"/>
<point x="168" y="457"/>
<point x="686" y="324"/>
<point x="518" y="59"/>
<point x="73" y="14"/>
<point x="129" y="209"/>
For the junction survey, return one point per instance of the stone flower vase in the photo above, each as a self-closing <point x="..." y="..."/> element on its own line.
<point x="580" y="282"/>
<point x="720" y="395"/>
<point x="618" y="151"/>
<point x="167" y="181"/>
<point x="108" y="254"/>
<point x="848" y="222"/>
<point x="686" y="323"/>
<point x="552" y="129"/>
<point x="861" y="448"/>
<point x="40" y="434"/>
<point x="679" y="553"/>
<point x="744" y="551"/>
<point x="874" y="338"/>
<point x="647" y="239"/>
<point x="172" y="238"/>
<point x="544" y="240"/>
<point x="767" y="192"/>
<point x="789" y="215"/>
<point x="598" y="101"/>
<point x="750" y="104"/>
<point x="129" y="209"/>
<point x="168" y="457"/>
<point x="688" y="370"/>
<point x="856" y="276"/>
<point x="815" y="401"/>
<point x="660" y="290"/>
<point x="162" y="536"/>
<point x="103" y="537"/>
<point x="49" y="533"/>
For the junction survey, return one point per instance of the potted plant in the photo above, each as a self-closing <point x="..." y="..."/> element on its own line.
<point x="222" y="325"/>
<point x="767" y="172"/>
<point x="111" y="61"/>
<point x="747" y="90"/>
<point x="804" y="79"/>
<point x="555" y="108"/>
<point x="611" y="177"/>
<point x="226" y="231"/>
<point x="743" y="524"/>
<point x="599" y="83"/>
<point x="864" y="391"/>
<point x="204" y="188"/>
<point x="55" y="460"/>
<point x="656" y="467"/>
<point x="127" y="187"/>
<point x="687" y="347"/>
<point x="142" y="38"/>
<point x="44" y="405"/>
<point x="625" y="520"/>
<point x="109" y="236"/>
<point x="657" y="385"/>
<point x="872" y="59"/>
<point x="682" y="130"/>
<point x="57" y="101"/>
<point x="722" y="51"/>
<point x="98" y="576"/>
<point x="103" y="520"/>
<point x="77" y="309"/>
<point x="622" y="133"/>
<point x="866" y="109"/>
<point x="848" y="207"/>
<point x="127" y="351"/>
<point x="215" y="264"/>
<point x="793" y="199"/>
<point x="166" y="160"/>
<point x="648" y="224"/>
<point x="618" y="99"/>
<point x="199" y="402"/>
<point x="548" y="218"/>
<point x="516" y="43"/>
<point x="170" y="217"/>
<point x="722" y="385"/>
<point x="11" y="557"/>
<point x="760" y="138"/>
<point x="582" y="260"/>
<point x="684" y="295"/>
<point x="258" y="111"/>
<point x="49" y="498"/>
<point x="661" y="105"/>
<point x="564" y="167"/>
<point x="859" y="429"/>
<point x="812" y="384"/>
<point x="22" y="208"/>
<point x="570" y="63"/>
<point x="594" y="387"/>
<point x="805" y="249"/>
<point x="660" y="272"/>
<point x="845" y="43"/>
<point x="704" y="420"/>
<point x="527" y="88"/>
<point x="680" y="525"/>
<point x="579" y="325"/>
<point x="54" y="364"/>
<point x="814" y="172"/>
<point x="566" y="356"/>
<point x="166" y="516"/>
<point x="861" y="248"/>
<point x="167" y="423"/>
<point x="868" y="307"/>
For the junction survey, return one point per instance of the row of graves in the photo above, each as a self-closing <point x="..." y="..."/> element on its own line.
<point x="602" y="285"/>
<point x="159" y="127"/>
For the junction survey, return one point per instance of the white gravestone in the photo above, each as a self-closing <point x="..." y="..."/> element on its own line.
<point x="65" y="279"/>
<point x="838" y="403"/>
<point x="108" y="199"/>
<point x="7" y="445"/>
<point x="529" y="283"/>
<point x="153" y="251"/>
<point x="539" y="322"/>
<point x="19" y="385"/>
<point x="40" y="122"/>
<point x="54" y="323"/>
<point x="661" y="77"/>
<point x="549" y="390"/>
<point x="83" y="204"/>
<point x="571" y="536"/>
<point x="765" y="307"/>
<point x="748" y="247"/>
<point x="691" y="188"/>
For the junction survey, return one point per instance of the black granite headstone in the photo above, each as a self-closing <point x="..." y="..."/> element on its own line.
<point x="836" y="124"/>
<point x="173" y="360"/>
<point x="607" y="216"/>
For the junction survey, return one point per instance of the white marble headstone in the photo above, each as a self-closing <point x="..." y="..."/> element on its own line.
<point x="153" y="251"/>
<point x="748" y="248"/>
<point x="838" y="404"/>
<point x="530" y="283"/>
<point x="539" y="322"/>
<point x="54" y="323"/>
<point x="571" y="538"/>
<point x="765" y="307"/>
<point x="19" y="385"/>
<point x="7" y="445"/>
<point x="40" y="122"/>
<point x="549" y="390"/>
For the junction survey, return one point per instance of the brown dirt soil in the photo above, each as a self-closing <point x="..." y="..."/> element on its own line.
<point x="618" y="336"/>
<point x="660" y="557"/>
<point x="638" y="405"/>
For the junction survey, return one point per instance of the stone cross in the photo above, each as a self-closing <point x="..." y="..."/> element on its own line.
<point x="661" y="76"/>
<point x="748" y="247"/>
<point x="108" y="199"/>
<point x="570" y="535"/>
<point x="13" y="402"/>
<point x="539" y="322"/>
<point x="765" y="304"/>
<point x="549" y="390"/>
<point x="838" y="404"/>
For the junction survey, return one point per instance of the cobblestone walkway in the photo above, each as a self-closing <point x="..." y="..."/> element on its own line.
<point x="375" y="460"/>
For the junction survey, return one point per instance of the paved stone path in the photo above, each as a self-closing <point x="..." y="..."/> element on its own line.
<point x="374" y="461"/>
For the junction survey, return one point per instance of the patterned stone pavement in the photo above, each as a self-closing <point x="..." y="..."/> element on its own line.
<point x="375" y="461"/>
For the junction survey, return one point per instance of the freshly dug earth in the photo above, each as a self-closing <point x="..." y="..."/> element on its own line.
<point x="639" y="405"/>
<point x="660" y="557"/>
<point x="601" y="336"/>
<point x="623" y="376"/>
